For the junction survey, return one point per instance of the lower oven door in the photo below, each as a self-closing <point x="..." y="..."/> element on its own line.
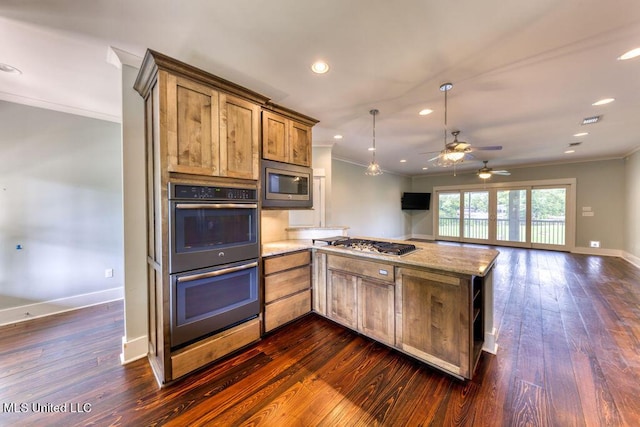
<point x="207" y="301"/>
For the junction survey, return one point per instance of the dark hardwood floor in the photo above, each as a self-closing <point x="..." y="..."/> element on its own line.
<point x="569" y="355"/>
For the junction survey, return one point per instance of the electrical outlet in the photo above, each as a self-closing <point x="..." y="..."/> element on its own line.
<point x="108" y="272"/>
<point x="595" y="243"/>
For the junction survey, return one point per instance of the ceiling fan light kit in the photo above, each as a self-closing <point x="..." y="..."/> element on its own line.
<point x="374" y="168"/>
<point x="485" y="172"/>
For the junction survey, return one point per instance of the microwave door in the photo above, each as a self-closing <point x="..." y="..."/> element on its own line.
<point x="284" y="186"/>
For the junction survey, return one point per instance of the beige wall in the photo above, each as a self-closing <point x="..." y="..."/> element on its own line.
<point x="61" y="200"/>
<point x="632" y="211"/>
<point x="369" y="205"/>
<point x="599" y="185"/>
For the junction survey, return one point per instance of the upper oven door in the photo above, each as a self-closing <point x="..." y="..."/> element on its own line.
<point x="206" y="234"/>
<point x="287" y="186"/>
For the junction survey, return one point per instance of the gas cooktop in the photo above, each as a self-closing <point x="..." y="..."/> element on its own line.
<point x="365" y="245"/>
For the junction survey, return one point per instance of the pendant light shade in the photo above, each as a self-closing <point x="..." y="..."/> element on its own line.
<point x="373" y="168"/>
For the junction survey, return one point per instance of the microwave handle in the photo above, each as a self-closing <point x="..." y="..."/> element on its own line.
<point x="217" y="272"/>
<point x="217" y="206"/>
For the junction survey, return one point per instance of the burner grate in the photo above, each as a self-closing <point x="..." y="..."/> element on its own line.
<point x="389" y="248"/>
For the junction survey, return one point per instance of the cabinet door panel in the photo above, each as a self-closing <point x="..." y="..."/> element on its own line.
<point x="300" y="144"/>
<point x="275" y="137"/>
<point x="376" y="317"/>
<point x="341" y="298"/>
<point x="239" y="150"/>
<point x="435" y="325"/>
<point x="192" y="127"/>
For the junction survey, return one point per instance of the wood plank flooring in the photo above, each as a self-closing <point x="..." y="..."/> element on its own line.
<point x="569" y="355"/>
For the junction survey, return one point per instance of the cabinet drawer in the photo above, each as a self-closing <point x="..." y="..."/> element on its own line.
<point x="286" y="283"/>
<point x="286" y="309"/>
<point x="277" y="263"/>
<point x="374" y="270"/>
<point x="199" y="354"/>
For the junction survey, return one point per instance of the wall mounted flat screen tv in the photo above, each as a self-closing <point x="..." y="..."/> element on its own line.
<point x="416" y="201"/>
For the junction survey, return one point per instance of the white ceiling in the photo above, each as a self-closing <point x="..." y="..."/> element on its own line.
<point x="525" y="73"/>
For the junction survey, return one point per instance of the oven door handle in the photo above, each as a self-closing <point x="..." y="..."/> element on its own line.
<point x="217" y="206"/>
<point x="217" y="272"/>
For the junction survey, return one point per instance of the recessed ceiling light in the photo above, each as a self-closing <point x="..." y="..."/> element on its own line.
<point x="403" y="161"/>
<point x="630" y="54"/>
<point x="425" y="112"/>
<point x="425" y="168"/>
<point x="590" y="120"/>
<point x="569" y="151"/>
<point x="604" y="101"/>
<point x="9" y="69"/>
<point x="371" y="149"/>
<point x="581" y="134"/>
<point x="337" y="136"/>
<point x="320" y="67"/>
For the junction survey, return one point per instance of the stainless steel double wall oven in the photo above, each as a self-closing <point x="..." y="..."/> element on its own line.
<point x="213" y="259"/>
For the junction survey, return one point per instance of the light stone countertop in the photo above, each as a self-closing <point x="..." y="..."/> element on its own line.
<point x="476" y="261"/>
<point x="284" y="246"/>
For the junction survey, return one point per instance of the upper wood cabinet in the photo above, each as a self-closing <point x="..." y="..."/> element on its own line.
<point x="192" y="116"/>
<point x="285" y="139"/>
<point x="275" y="137"/>
<point x="202" y="125"/>
<point x="239" y="138"/>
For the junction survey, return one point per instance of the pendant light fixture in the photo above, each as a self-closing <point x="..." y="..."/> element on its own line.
<point x="374" y="169"/>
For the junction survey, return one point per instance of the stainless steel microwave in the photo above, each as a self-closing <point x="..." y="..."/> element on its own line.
<point x="286" y="186"/>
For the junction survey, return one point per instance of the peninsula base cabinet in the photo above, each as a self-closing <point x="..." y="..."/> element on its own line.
<point x="360" y="295"/>
<point x="436" y="318"/>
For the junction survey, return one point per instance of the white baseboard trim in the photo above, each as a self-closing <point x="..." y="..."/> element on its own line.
<point x="422" y="236"/>
<point x="134" y="349"/>
<point x="490" y="345"/>
<point x="47" y="308"/>
<point x="596" y="251"/>
<point x="631" y="258"/>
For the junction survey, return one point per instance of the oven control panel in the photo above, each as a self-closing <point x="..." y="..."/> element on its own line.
<point x="202" y="192"/>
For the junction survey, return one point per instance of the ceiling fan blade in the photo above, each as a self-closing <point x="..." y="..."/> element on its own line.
<point x="487" y="148"/>
<point x="505" y="173"/>
<point x="433" y="158"/>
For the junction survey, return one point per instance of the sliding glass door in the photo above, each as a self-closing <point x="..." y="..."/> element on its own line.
<point x="549" y="217"/>
<point x="516" y="214"/>
<point x="449" y="215"/>
<point x="475" y="220"/>
<point x="511" y="217"/>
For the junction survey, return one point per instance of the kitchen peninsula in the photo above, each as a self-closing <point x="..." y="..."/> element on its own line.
<point x="434" y="303"/>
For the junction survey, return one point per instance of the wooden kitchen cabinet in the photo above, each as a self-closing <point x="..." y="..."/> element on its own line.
<point x="437" y="320"/>
<point x="287" y="288"/>
<point x="376" y="302"/>
<point x="239" y="138"/>
<point x="202" y="130"/>
<point x="285" y="139"/>
<point x="211" y="133"/>
<point x="192" y="117"/>
<point x="361" y="295"/>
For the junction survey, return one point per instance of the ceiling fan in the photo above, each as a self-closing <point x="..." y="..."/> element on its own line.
<point x="485" y="172"/>
<point x="457" y="151"/>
